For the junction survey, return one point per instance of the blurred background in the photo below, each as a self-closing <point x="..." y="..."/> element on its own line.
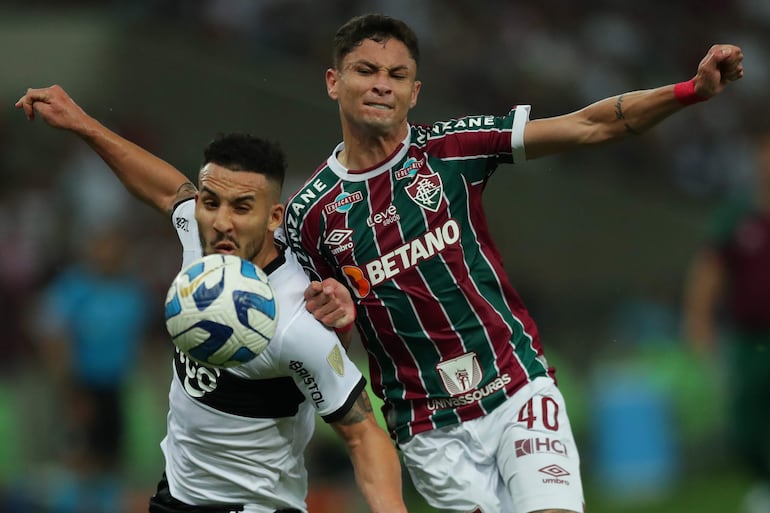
<point x="597" y="242"/>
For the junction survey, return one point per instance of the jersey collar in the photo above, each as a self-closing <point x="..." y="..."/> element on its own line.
<point x="364" y="174"/>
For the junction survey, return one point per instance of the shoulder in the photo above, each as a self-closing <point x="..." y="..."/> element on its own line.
<point x="321" y="183"/>
<point x="470" y="123"/>
<point x="295" y="322"/>
<point x="289" y="282"/>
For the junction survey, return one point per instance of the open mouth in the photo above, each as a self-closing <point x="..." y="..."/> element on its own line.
<point x="226" y="248"/>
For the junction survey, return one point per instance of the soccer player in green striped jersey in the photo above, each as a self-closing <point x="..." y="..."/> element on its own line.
<point x="395" y="213"/>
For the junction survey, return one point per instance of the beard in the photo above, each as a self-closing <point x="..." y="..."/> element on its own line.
<point x="208" y="247"/>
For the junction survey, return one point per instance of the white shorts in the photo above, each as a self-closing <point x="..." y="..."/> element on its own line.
<point x="520" y="458"/>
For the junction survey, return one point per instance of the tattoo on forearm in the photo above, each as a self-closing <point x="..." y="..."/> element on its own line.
<point x="360" y="410"/>
<point x="621" y="117"/>
<point x="185" y="190"/>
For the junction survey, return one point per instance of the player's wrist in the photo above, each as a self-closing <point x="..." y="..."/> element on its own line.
<point x="346" y="328"/>
<point x="684" y="92"/>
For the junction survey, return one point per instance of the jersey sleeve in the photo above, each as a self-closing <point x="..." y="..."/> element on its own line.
<point x="520" y="115"/>
<point x="183" y="217"/>
<point x="320" y="367"/>
<point x="480" y="142"/>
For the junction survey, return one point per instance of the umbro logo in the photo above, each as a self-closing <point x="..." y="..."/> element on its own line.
<point x="337" y="237"/>
<point x="554" y="471"/>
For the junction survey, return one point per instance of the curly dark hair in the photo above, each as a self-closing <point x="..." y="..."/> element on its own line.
<point x="377" y="27"/>
<point x="245" y="152"/>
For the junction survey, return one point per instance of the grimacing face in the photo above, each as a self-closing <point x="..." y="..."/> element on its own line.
<point x="375" y="86"/>
<point x="237" y="213"/>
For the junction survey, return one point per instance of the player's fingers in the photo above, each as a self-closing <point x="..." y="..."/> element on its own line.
<point x="329" y="286"/>
<point x="734" y="75"/>
<point x="728" y="56"/>
<point x="330" y="318"/>
<point x="328" y="314"/>
<point x="41" y="97"/>
<point x="29" y="109"/>
<point x="732" y="68"/>
<point x="332" y="313"/>
<point x="25" y="104"/>
<point x="334" y="318"/>
<point x="313" y="290"/>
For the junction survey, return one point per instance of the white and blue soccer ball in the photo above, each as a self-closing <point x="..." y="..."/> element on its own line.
<point x="221" y="311"/>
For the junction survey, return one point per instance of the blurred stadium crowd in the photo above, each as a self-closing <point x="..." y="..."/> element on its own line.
<point x="602" y="271"/>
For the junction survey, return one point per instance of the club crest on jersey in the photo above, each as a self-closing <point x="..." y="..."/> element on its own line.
<point x="460" y="374"/>
<point x="343" y="202"/>
<point x="426" y="190"/>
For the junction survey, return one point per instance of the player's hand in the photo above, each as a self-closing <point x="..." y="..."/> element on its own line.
<point x="54" y="106"/>
<point x="330" y="302"/>
<point x="721" y="65"/>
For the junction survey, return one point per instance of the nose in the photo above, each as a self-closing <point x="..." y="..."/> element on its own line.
<point x="382" y="83"/>
<point x="223" y="221"/>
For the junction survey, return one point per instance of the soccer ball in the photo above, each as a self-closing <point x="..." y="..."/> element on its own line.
<point x="221" y="311"/>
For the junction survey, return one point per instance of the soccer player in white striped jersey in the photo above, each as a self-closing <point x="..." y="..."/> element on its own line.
<point x="396" y="214"/>
<point x="236" y="437"/>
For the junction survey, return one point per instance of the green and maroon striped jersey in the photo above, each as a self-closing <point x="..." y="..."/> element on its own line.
<point x="447" y="335"/>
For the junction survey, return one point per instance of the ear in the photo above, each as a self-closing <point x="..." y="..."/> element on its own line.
<point x="332" y="77"/>
<point x="276" y="216"/>
<point x="415" y="92"/>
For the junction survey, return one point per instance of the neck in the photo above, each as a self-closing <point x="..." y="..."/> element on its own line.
<point x="267" y="254"/>
<point x="365" y="150"/>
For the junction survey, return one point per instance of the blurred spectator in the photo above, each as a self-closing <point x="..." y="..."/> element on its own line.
<point x="93" y="318"/>
<point x="732" y="270"/>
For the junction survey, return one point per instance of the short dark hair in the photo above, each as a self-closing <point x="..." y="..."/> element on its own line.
<point x="245" y="152"/>
<point x="376" y="27"/>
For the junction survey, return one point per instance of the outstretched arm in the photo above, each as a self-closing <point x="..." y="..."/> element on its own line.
<point x="633" y="112"/>
<point x="146" y="176"/>
<point x="375" y="462"/>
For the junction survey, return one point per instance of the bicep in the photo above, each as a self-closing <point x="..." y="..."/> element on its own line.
<point x="548" y="136"/>
<point x="319" y="365"/>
